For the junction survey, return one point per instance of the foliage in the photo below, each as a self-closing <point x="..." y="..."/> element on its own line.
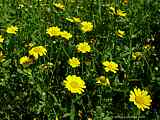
<point x="35" y="90"/>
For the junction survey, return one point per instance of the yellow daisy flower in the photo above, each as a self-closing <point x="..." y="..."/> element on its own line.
<point x="74" y="84"/>
<point x="103" y="81"/>
<point x="120" y="33"/>
<point x="136" y="55"/>
<point x="1" y="39"/>
<point x="53" y="31"/>
<point x="125" y="1"/>
<point x="59" y="5"/>
<point x="121" y="13"/>
<point x="12" y="29"/>
<point x="86" y="26"/>
<point x="25" y="60"/>
<point x="83" y="47"/>
<point x="1" y="57"/>
<point x="66" y="35"/>
<point x="147" y="46"/>
<point x="74" y="62"/>
<point x="110" y="66"/>
<point x="38" y="51"/>
<point x="76" y="19"/>
<point x="69" y="19"/>
<point x="117" y="12"/>
<point x="140" y="98"/>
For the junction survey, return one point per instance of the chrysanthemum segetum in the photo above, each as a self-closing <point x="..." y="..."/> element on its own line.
<point x="59" y="5"/>
<point x="74" y="62"/>
<point x="38" y="51"/>
<point x="125" y="1"/>
<point x="83" y="47"/>
<point x="25" y="60"/>
<point x="121" y="13"/>
<point x="86" y="26"/>
<point x="12" y="29"/>
<point x="147" y="46"/>
<point x="53" y="31"/>
<point x="110" y="66"/>
<point x="120" y="33"/>
<point x="2" y="57"/>
<point x="1" y="39"/>
<point x="76" y="19"/>
<point x="66" y="35"/>
<point x="70" y="20"/>
<point x="103" y="81"/>
<point x="137" y="55"/>
<point x="74" y="84"/>
<point x="117" y="12"/>
<point x="140" y="98"/>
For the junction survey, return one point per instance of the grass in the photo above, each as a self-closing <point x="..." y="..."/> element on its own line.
<point x="37" y="91"/>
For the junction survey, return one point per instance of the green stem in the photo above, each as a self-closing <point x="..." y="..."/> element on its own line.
<point x="139" y="113"/>
<point x="144" y="57"/>
<point x="64" y="50"/>
<point x="82" y="64"/>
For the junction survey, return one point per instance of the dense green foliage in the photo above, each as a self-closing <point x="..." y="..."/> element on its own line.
<point x="37" y="92"/>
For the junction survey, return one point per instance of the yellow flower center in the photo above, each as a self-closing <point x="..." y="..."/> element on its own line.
<point x="37" y="50"/>
<point x="110" y="66"/>
<point x="74" y="62"/>
<point x="74" y="85"/>
<point x="139" y="100"/>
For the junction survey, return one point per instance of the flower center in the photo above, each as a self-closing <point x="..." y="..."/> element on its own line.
<point x="110" y="66"/>
<point x="139" y="99"/>
<point x="37" y="50"/>
<point x="74" y="84"/>
<point x="83" y="48"/>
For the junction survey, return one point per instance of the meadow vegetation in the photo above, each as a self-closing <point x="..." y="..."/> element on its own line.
<point x="79" y="59"/>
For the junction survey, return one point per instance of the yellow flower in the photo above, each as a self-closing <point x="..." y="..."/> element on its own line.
<point x="30" y="45"/>
<point x="140" y="98"/>
<point x="69" y="19"/>
<point x="125" y="1"/>
<point x="147" y="46"/>
<point x="110" y="66"/>
<point x="83" y="47"/>
<point x="136" y="55"/>
<point x="74" y="84"/>
<point x="1" y="54"/>
<point x="1" y="57"/>
<point x="38" y="51"/>
<point x="74" y="62"/>
<point x="120" y="33"/>
<point x="103" y="81"/>
<point x="53" y="31"/>
<point x="12" y="29"/>
<point x="1" y="39"/>
<point x="86" y="26"/>
<point x="76" y="19"/>
<point x="121" y="13"/>
<point x="25" y="60"/>
<point x="59" y="5"/>
<point x="66" y="35"/>
<point x="117" y="12"/>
